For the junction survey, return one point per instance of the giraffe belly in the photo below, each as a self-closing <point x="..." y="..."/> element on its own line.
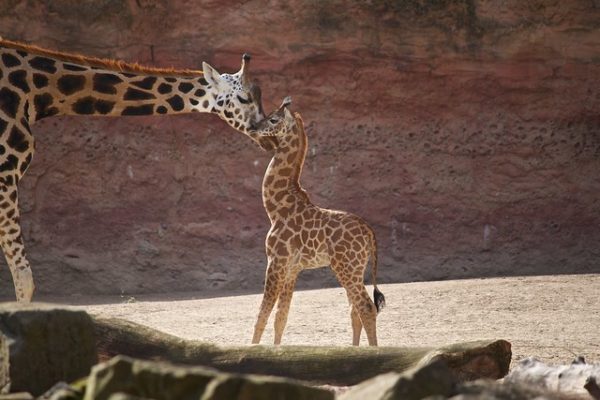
<point x="310" y="258"/>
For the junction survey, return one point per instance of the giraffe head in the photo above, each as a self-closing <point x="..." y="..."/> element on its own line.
<point x="237" y="99"/>
<point x="278" y="125"/>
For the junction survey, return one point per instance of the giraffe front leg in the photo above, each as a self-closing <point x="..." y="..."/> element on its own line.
<point x="273" y="285"/>
<point x="283" y="306"/>
<point x="13" y="247"/>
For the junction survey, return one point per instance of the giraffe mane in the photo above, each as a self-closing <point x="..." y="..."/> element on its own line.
<point x="107" y="63"/>
<point x="301" y="156"/>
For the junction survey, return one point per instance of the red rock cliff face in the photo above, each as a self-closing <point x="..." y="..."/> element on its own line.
<point x="466" y="132"/>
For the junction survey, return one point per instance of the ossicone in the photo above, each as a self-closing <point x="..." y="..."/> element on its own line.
<point x="244" y="70"/>
<point x="286" y="102"/>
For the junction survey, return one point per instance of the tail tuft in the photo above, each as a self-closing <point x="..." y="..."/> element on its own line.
<point x="379" y="299"/>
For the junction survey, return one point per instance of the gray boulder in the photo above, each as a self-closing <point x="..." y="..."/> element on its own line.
<point x="494" y="390"/>
<point x="41" y="345"/>
<point x="430" y="379"/>
<point x="260" y="387"/>
<point x="127" y="378"/>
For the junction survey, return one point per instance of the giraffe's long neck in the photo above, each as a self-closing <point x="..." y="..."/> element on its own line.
<point x="281" y="188"/>
<point x="55" y="85"/>
<point x="112" y="93"/>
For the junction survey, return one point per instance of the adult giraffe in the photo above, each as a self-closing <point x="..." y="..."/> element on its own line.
<point x="37" y="83"/>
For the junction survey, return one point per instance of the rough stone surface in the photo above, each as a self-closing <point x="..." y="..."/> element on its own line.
<point x="434" y="379"/>
<point x="46" y="345"/>
<point x="159" y="380"/>
<point x="226" y="387"/>
<point x="465" y="131"/>
<point x="494" y="390"/>
<point x="18" y="396"/>
<point x="147" y="379"/>
<point x="568" y="379"/>
<point x="4" y="365"/>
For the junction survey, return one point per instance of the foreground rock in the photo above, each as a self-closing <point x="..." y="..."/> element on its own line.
<point x="128" y="378"/>
<point x="579" y="378"/>
<point x="320" y="364"/>
<point x="435" y="381"/>
<point x="42" y="344"/>
<point x="491" y="390"/>
<point x="431" y="379"/>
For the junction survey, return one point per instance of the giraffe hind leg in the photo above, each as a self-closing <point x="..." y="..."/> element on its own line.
<point x="368" y="314"/>
<point x="366" y="310"/>
<point x="360" y="300"/>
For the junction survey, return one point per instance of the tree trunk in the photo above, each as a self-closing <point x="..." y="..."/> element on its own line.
<point x="318" y="364"/>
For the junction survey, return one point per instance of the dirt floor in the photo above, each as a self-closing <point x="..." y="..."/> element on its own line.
<point x="554" y="318"/>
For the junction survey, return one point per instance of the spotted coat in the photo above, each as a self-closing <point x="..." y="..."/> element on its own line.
<point x="37" y="83"/>
<point x="305" y="236"/>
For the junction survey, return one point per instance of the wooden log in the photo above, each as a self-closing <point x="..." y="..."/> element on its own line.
<point x="318" y="364"/>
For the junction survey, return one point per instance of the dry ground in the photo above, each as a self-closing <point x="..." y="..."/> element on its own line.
<point x="554" y="318"/>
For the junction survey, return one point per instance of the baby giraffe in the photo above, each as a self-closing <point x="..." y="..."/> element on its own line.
<point x="304" y="236"/>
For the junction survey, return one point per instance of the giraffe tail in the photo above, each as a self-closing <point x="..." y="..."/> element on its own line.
<point x="378" y="297"/>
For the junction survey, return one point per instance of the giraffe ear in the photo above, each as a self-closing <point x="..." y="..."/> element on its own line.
<point x="211" y="75"/>
<point x="285" y="107"/>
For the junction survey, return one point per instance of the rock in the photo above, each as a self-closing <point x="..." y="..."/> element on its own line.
<point x="16" y="396"/>
<point x="127" y="378"/>
<point x="256" y="387"/>
<point x="492" y="390"/>
<point x="146" y="379"/>
<point x="431" y="379"/>
<point x="591" y="385"/>
<point x="4" y="365"/>
<point x="464" y="132"/>
<point x="577" y="378"/>
<point x="64" y="391"/>
<point x="46" y="344"/>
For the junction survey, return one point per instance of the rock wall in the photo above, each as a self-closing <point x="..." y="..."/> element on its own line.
<point x="467" y="132"/>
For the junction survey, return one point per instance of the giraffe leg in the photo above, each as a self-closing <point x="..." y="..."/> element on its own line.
<point x="283" y="306"/>
<point x="12" y="244"/>
<point x="356" y="326"/>
<point x="368" y="314"/>
<point x="273" y="285"/>
<point x="365" y="309"/>
<point x="360" y="300"/>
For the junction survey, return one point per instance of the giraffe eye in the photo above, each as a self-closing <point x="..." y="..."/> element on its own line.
<point x="273" y="120"/>
<point x="244" y="101"/>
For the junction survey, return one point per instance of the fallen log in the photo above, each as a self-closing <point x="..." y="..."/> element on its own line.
<point x="317" y="364"/>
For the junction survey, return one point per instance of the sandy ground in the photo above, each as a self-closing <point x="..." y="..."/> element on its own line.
<point x="554" y="318"/>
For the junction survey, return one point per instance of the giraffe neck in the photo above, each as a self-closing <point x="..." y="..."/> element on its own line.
<point x="60" y="84"/>
<point x="281" y="188"/>
<point x="113" y="93"/>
